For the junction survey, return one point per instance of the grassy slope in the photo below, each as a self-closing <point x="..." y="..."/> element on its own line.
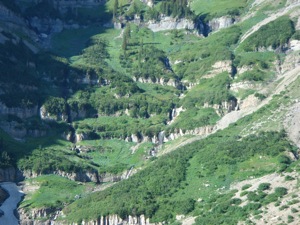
<point x="53" y="191"/>
<point x="218" y="8"/>
<point x="115" y="155"/>
<point x="202" y="174"/>
<point x="214" y="164"/>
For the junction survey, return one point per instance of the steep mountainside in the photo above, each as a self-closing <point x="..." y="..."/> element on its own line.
<point x="141" y="112"/>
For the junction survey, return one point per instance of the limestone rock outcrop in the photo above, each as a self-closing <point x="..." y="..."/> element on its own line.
<point x="22" y="113"/>
<point x="81" y="176"/>
<point x="48" y="216"/>
<point x="116" y="220"/>
<point x="170" y="23"/>
<point x="220" y="23"/>
<point x="45" y="115"/>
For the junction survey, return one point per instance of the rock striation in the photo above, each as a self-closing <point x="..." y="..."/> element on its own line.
<point x="116" y="220"/>
<point x="161" y="81"/>
<point x="220" y="23"/>
<point x="45" y="115"/>
<point x="102" y="220"/>
<point x="22" y="113"/>
<point x="170" y="23"/>
<point x="8" y="16"/>
<point x="10" y="174"/>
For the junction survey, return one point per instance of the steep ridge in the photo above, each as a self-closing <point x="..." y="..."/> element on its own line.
<point x="230" y="118"/>
<point x="272" y="17"/>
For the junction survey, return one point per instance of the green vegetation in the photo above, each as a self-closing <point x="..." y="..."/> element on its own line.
<point x="175" y="8"/>
<point x="165" y="178"/>
<point x="267" y="35"/>
<point x="113" y="86"/>
<point x="82" y="15"/>
<point x="143" y="59"/>
<point x="53" y="192"/>
<point x="48" y="160"/>
<point x="13" y="73"/>
<point x="55" y="106"/>
<point x="211" y="91"/>
<point x="5" y="159"/>
<point x="260" y="64"/>
<point x="120" y="127"/>
<point x="289" y="178"/>
<point x="246" y="186"/>
<point x="114" y="156"/>
<point x="71" y="42"/>
<point x="201" y="55"/>
<point x="215" y="8"/>
<point x="263" y="186"/>
<point x="169" y="177"/>
<point x="199" y="118"/>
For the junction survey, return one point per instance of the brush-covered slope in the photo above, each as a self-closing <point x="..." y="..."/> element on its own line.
<point x="98" y="91"/>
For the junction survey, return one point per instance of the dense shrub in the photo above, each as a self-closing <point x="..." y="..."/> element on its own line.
<point x="149" y="192"/>
<point x="264" y="186"/>
<point x="280" y="191"/>
<point x="274" y="34"/>
<point x="55" y="105"/>
<point x="246" y="186"/>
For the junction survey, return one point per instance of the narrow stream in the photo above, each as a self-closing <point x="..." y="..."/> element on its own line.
<point x="10" y="204"/>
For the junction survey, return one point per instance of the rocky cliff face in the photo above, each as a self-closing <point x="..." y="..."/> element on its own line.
<point x="22" y="113"/>
<point x="219" y="67"/>
<point x="8" y="16"/>
<point x="116" y="220"/>
<point x="18" y="131"/>
<point x="49" y="216"/>
<point x="220" y="23"/>
<point x="175" y="113"/>
<point x="224" y="107"/>
<point x="148" y="2"/>
<point x="44" y="216"/>
<point x="161" y="81"/>
<point x="162" y="137"/>
<point x="244" y="85"/>
<point x="169" y="23"/>
<point x="10" y="174"/>
<point x="48" y="26"/>
<point x="12" y="21"/>
<point x="82" y="176"/>
<point x="16" y="128"/>
<point x="45" y="115"/>
<point x="292" y="123"/>
<point x="201" y="131"/>
<point x="79" y="114"/>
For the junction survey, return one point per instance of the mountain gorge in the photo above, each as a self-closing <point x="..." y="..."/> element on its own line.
<point x="151" y="112"/>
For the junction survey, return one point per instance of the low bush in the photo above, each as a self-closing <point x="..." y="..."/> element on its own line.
<point x="264" y="186"/>
<point x="246" y="186"/>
